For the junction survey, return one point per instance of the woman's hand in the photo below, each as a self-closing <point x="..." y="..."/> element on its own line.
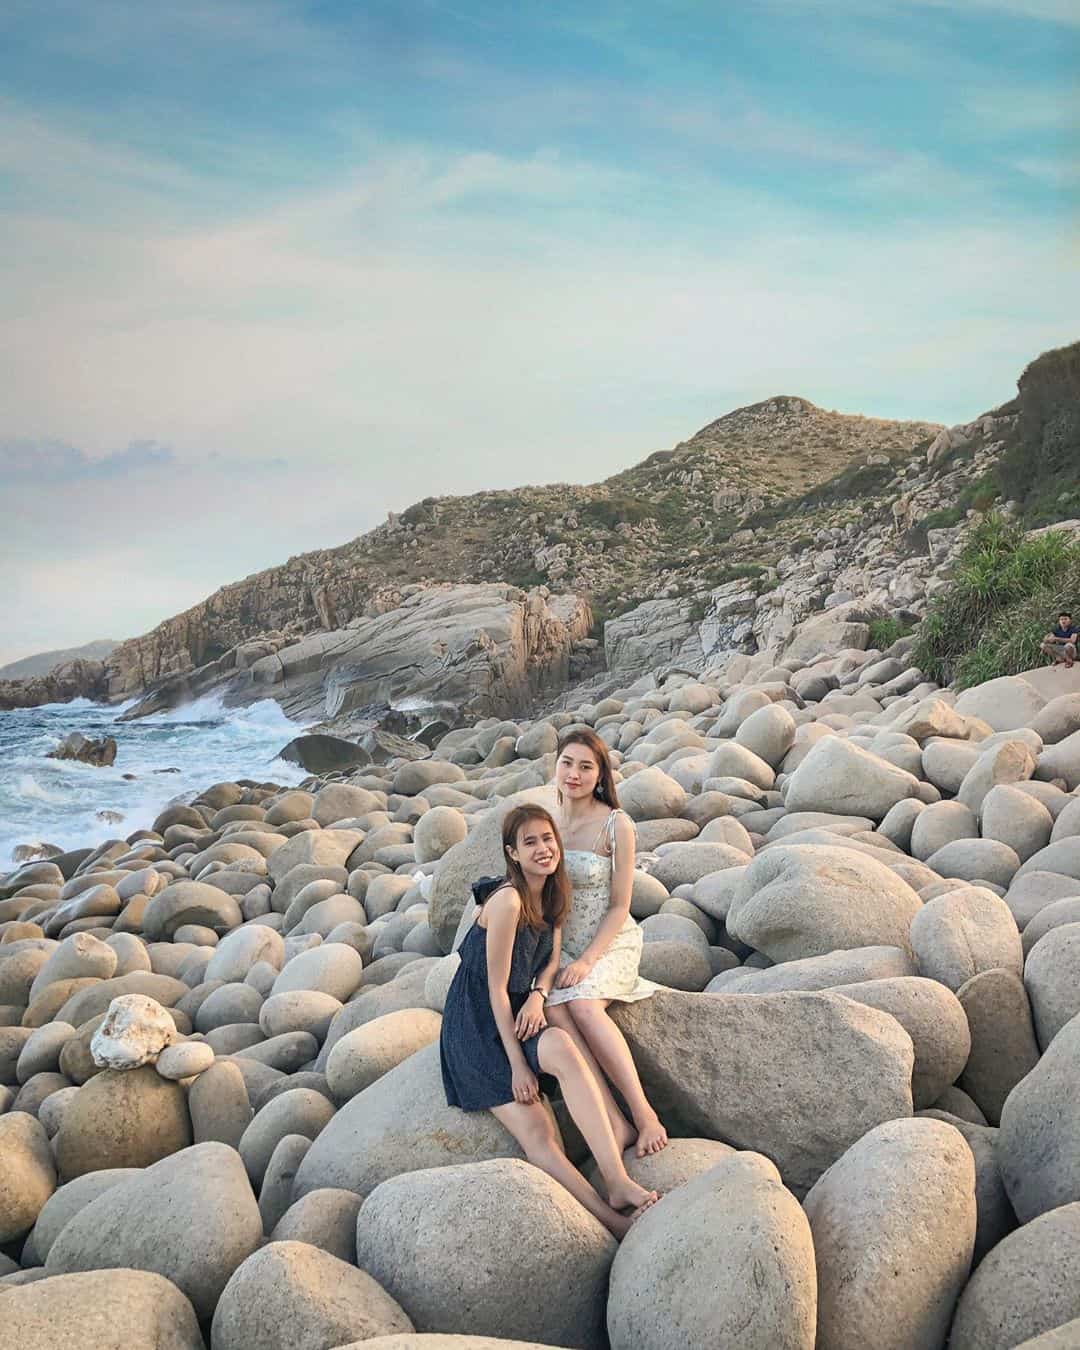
<point x="531" y="1018"/>
<point x="574" y="973"/>
<point x="526" y="1088"/>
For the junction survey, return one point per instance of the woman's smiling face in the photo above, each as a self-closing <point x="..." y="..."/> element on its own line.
<point x="576" y="771"/>
<point x="536" y="849"/>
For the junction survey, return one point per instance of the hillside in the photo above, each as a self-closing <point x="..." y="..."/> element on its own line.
<point x="670" y="523"/>
<point x="43" y="662"/>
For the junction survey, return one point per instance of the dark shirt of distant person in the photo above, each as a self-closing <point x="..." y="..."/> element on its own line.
<point x="1060" y="643"/>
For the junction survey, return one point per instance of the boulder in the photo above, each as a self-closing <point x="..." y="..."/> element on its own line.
<point x="939" y="824"/>
<point x="332" y="968"/>
<point x="1008" y="762"/>
<point x="769" y="733"/>
<point x="298" y="1111"/>
<point x="27" y="1176"/>
<point x="976" y="860"/>
<point x="1025" y="1286"/>
<point x="294" y="1296"/>
<point x="325" y="1219"/>
<point x="1061" y="761"/>
<point x="483" y="1211"/>
<point x="1005" y="703"/>
<point x="1039" y="1140"/>
<point x="1017" y="819"/>
<point x="69" y="1199"/>
<point x="901" y="1200"/>
<point x="1051" y="916"/>
<point x="100" y="1310"/>
<point x="1052" y="980"/>
<point x="1031" y="892"/>
<point x="817" y="972"/>
<point x="1062" y="857"/>
<point x="128" y="1118"/>
<point x="840" y="777"/>
<point x="364" y="1055"/>
<point x="189" y="902"/>
<point x="219" y="1104"/>
<point x="437" y="831"/>
<point x="686" y="863"/>
<point x="934" y="1019"/>
<point x="957" y="935"/>
<point x="191" y="1218"/>
<point x="732" y="760"/>
<point x="319" y="753"/>
<point x="135" y="1031"/>
<point x="651" y="794"/>
<point x="738" y="1219"/>
<point x="802" y="900"/>
<point x="748" y="1071"/>
<point x="1003" y="1045"/>
<point x="401" y="1123"/>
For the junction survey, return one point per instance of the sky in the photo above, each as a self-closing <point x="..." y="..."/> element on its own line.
<point x="270" y="269"/>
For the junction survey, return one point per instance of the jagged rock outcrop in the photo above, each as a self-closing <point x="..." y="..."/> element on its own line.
<point x="76" y="679"/>
<point x="483" y="650"/>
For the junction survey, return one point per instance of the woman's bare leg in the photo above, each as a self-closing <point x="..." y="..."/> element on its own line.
<point x="558" y="1015"/>
<point x="559" y="1056"/>
<point x="534" y="1130"/>
<point x="609" y="1046"/>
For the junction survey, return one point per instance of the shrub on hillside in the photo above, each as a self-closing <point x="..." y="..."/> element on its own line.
<point x="1005" y="596"/>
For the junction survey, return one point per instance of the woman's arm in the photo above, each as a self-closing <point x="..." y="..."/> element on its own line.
<point x="502" y="911"/>
<point x="622" y="883"/>
<point x="532" y="1018"/>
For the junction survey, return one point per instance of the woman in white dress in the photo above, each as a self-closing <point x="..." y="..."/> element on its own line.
<point x="601" y="942"/>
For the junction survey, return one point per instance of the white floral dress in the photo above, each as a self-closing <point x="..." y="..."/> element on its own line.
<point x="615" y="975"/>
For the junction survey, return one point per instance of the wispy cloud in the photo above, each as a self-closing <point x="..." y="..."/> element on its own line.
<point x="27" y="461"/>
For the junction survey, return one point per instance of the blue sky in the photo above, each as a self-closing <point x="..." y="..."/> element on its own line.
<point x="268" y="270"/>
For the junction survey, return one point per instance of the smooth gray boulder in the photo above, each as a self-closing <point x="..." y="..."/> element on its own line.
<point x="325" y="1219"/>
<point x="99" y="1310"/>
<point x="477" y="1213"/>
<point x="901" y="1200"/>
<point x="1003" y="1045"/>
<point x="68" y="1200"/>
<point x="191" y="1217"/>
<point x="934" y="1019"/>
<point x="799" y="900"/>
<point x="995" y="1216"/>
<point x="1052" y="980"/>
<point x="27" y="1173"/>
<point x="1054" y="915"/>
<point x="1009" y="762"/>
<point x="840" y="777"/>
<point x="1005" y="703"/>
<point x="749" y="1071"/>
<point x="844" y="967"/>
<point x="957" y="935"/>
<point x="1027" y="1285"/>
<point x="401" y="1123"/>
<point x="1039" y="1140"/>
<point x="1032" y="892"/>
<point x="293" y="1296"/>
<point x="1017" y="819"/>
<point x="939" y="824"/>
<point x="738" y="1219"/>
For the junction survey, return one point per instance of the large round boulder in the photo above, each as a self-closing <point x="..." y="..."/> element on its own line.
<point x="473" y="1215"/>
<point x="100" y="1310"/>
<point x="27" y="1174"/>
<point x="363" y="1055"/>
<point x="737" y="1219"/>
<point x="798" y="900"/>
<point x="842" y="778"/>
<point x="122" y="1118"/>
<point x="901" y="1200"/>
<point x="959" y="934"/>
<point x="1039" y="1140"/>
<point x="1027" y="1285"/>
<point x="293" y="1296"/>
<point x="191" y="1218"/>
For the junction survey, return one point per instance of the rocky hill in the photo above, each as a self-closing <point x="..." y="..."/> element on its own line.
<point x="772" y="517"/>
<point x="43" y="662"/>
<point x="657" y="526"/>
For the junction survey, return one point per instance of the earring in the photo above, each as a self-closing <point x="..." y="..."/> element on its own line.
<point x="598" y="792"/>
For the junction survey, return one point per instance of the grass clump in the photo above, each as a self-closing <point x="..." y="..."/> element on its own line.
<point x="884" y="632"/>
<point x="1005" y="597"/>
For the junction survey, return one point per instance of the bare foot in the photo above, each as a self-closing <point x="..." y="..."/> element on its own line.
<point x="631" y="1196"/>
<point x="624" y="1132"/>
<point x="652" y="1137"/>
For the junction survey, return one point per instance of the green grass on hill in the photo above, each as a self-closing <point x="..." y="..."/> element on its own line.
<point x="1006" y="594"/>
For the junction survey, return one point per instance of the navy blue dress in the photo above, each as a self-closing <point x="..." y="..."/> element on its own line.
<point x="475" y="1070"/>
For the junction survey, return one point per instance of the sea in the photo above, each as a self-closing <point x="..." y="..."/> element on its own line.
<point x="161" y="759"/>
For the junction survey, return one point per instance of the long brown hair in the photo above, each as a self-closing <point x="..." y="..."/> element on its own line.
<point x="605" y="785"/>
<point x="555" y="897"/>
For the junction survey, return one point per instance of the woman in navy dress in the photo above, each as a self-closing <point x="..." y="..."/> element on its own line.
<point x="495" y="1041"/>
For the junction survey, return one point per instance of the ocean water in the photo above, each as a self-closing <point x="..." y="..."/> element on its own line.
<point x="57" y="801"/>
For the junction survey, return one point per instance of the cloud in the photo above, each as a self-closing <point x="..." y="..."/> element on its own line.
<point x="29" y="461"/>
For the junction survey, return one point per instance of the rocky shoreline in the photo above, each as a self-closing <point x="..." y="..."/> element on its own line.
<point x="221" y="1117"/>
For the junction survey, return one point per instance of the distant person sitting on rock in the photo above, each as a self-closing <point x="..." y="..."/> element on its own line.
<point x="496" y="1042"/>
<point x="1060" y="644"/>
